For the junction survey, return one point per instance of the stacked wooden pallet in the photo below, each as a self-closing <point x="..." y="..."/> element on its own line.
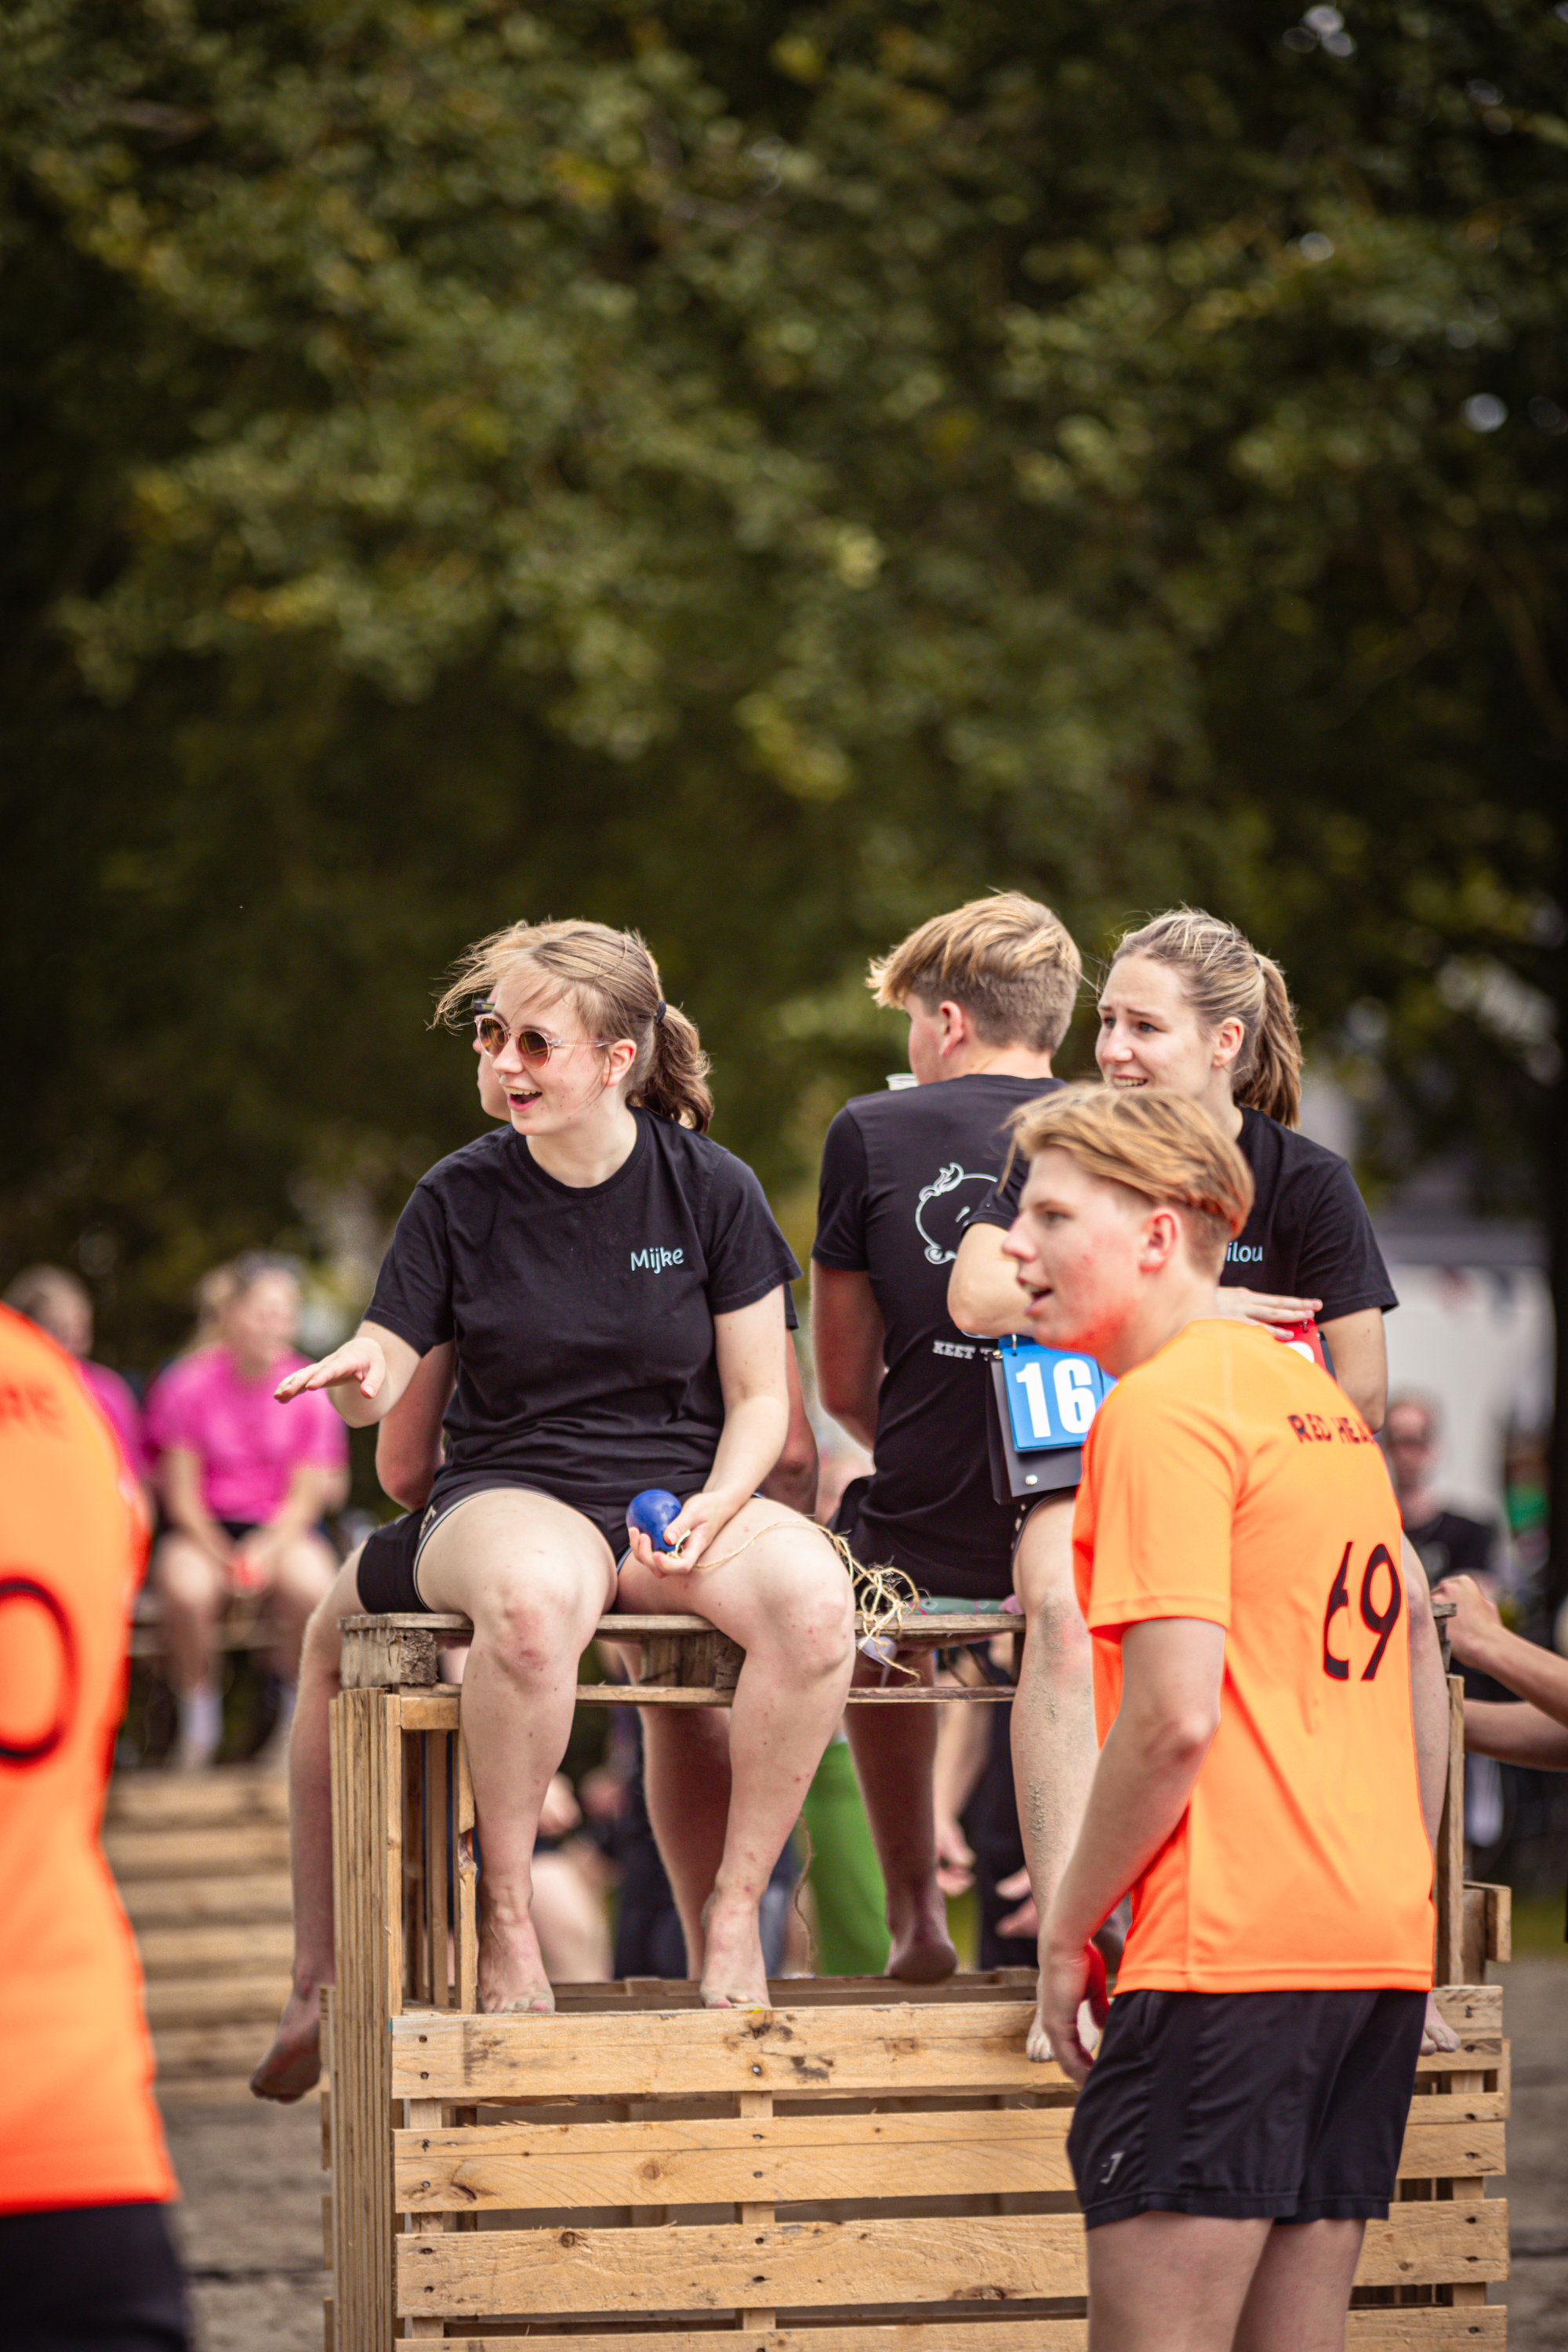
<point x="863" y="2168"/>
<point x="201" y="1860"/>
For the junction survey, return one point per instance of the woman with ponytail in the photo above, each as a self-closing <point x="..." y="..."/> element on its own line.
<point x="613" y="1286"/>
<point x="1189" y="1004"/>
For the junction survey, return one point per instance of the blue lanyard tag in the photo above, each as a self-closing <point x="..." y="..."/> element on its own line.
<point x="1052" y="1397"/>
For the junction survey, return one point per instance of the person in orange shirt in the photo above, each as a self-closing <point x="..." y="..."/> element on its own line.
<point x="1259" y="1668"/>
<point x="85" y="2251"/>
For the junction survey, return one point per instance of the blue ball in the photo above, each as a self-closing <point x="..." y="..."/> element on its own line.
<point x="651" y="1512"/>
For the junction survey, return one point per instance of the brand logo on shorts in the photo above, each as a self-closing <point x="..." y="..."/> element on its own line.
<point x="1107" y="2175"/>
<point x="654" y="1261"/>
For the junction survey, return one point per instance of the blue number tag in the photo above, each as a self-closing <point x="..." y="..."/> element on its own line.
<point x="1051" y="1397"/>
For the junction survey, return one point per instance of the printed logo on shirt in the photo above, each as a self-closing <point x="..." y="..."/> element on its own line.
<point x="1244" y="1254"/>
<point x="943" y="1209"/>
<point x="654" y="1261"/>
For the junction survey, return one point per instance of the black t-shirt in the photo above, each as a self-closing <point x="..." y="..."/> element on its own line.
<point x="1309" y="1235"/>
<point x="903" y="1174"/>
<point x="583" y="1316"/>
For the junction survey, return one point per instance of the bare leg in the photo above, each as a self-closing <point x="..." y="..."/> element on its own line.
<point x="1054" y="1750"/>
<point x="1301" y="2289"/>
<point x="787" y="1600"/>
<point x="191" y="1585"/>
<point x="305" y="1575"/>
<point x="535" y="1576"/>
<point x="569" y="1916"/>
<point x="687" y="1784"/>
<point x="293" y="2061"/>
<point x="894" y="1750"/>
<point x="1170" y="2282"/>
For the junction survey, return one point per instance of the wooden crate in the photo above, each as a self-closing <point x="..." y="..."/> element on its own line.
<point x="865" y="2167"/>
<point x="200" y="1860"/>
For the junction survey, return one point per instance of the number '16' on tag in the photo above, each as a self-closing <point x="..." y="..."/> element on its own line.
<point x="1052" y="1397"/>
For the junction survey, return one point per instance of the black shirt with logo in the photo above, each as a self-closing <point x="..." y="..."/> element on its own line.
<point x="903" y="1174"/>
<point x="1309" y="1235"/>
<point x="583" y="1316"/>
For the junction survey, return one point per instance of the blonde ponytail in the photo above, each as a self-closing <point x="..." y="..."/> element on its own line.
<point x="1227" y="979"/>
<point x="613" y="981"/>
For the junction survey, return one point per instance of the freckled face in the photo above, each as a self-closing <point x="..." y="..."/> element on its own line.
<point x="1151" y="1036"/>
<point x="1076" y="1245"/>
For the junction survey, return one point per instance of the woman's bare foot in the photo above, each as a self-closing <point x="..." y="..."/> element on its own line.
<point x="293" y="2063"/>
<point x="922" y="1951"/>
<point x="734" y="1974"/>
<point x="1436" y="2033"/>
<point x="512" y="1976"/>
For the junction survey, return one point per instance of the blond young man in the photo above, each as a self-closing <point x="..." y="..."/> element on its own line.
<point x="1268" y="1690"/>
<point x="988" y="991"/>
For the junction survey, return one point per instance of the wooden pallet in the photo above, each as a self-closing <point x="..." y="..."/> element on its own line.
<point x="201" y="1860"/>
<point x="864" y="2167"/>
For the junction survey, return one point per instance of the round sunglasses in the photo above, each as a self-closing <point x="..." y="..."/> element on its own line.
<point x="532" y="1044"/>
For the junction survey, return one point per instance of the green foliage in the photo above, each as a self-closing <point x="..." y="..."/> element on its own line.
<point x="760" y="473"/>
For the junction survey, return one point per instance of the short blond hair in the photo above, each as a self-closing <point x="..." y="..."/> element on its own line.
<point x="1008" y="961"/>
<point x="1159" y="1144"/>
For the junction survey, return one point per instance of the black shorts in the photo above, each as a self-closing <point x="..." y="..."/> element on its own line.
<point x="1282" y="2106"/>
<point x="387" y="1576"/>
<point x="92" y="2278"/>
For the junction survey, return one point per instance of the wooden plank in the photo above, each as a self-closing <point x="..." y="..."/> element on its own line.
<point x="150" y="1799"/>
<point x="177" y="1951"/>
<point x="1449" y="1886"/>
<point x="614" y="2052"/>
<point x="902" y="2047"/>
<point x="387" y="1653"/>
<point x="157" y="1902"/>
<point x="440" y="1709"/>
<point x="177" y="2000"/>
<point x="723" y="2160"/>
<point x="1473" y="1935"/>
<point x="984" y="2258"/>
<point x="1428" y="2329"/>
<point x="466" y="1880"/>
<point x="1500" y="1923"/>
<point x="720" y="2160"/>
<point x="164" y="1853"/>
<point x="367" y="1880"/>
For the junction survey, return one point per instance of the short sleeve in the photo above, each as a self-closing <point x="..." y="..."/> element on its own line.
<point x="413" y="1293"/>
<point x="747" y="1255"/>
<point x="1161" y="1480"/>
<point x="841" y="1198"/>
<point x="1340" y="1261"/>
<point x="1000" y="1206"/>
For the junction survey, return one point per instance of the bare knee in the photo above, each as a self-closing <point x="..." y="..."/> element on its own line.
<point x="529" y="1629"/>
<point x="305" y="1575"/>
<point x="321" y="1654"/>
<point x="186" y="1576"/>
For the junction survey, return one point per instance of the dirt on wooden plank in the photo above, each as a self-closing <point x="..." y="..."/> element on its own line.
<point x="251" y="2218"/>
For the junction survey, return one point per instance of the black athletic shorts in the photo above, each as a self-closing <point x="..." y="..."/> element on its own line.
<point x="388" y="1583"/>
<point x="1283" y="2106"/>
<point x="92" y="2278"/>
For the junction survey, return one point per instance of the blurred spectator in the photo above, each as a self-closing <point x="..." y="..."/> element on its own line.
<point x="58" y="1304"/>
<point x="244" y="1485"/>
<point x="88" y="2265"/>
<point x="1448" y="1544"/>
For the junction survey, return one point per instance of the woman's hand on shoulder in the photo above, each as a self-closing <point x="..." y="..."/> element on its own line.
<point x="1261" y="1307"/>
<point x="359" y="1362"/>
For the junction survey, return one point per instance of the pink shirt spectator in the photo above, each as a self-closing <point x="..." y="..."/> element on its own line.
<point x="248" y="1445"/>
<point x="117" y="1400"/>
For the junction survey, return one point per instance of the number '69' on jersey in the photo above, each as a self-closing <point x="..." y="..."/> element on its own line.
<point x="1228" y="1479"/>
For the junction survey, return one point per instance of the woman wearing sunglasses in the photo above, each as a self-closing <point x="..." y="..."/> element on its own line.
<point x="613" y="1284"/>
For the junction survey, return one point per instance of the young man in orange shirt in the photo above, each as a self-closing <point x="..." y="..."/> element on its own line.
<point x="86" y="2260"/>
<point x="1259" y="1666"/>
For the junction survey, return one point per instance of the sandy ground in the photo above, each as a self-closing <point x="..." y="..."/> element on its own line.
<point x="251" y="2221"/>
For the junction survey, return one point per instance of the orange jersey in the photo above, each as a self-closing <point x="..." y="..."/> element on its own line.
<point x="78" y="2126"/>
<point x="1229" y="1480"/>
